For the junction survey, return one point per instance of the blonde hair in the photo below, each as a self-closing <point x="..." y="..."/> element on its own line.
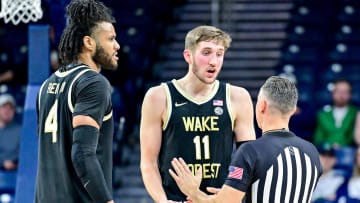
<point x="206" y="33"/>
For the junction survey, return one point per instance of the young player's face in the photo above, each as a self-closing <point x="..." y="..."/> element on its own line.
<point x="106" y="46"/>
<point x="207" y="60"/>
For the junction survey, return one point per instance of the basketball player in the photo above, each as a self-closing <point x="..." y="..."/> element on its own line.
<point x="75" y="124"/>
<point x="278" y="167"/>
<point x="195" y="117"/>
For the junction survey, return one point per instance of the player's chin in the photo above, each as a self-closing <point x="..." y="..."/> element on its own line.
<point x="210" y="80"/>
<point x="113" y="65"/>
<point x="110" y="67"/>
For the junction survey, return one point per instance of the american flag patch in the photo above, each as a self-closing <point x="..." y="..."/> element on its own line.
<point x="235" y="172"/>
<point x="218" y="102"/>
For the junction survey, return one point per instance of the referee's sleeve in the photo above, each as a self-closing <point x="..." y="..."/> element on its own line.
<point x="241" y="168"/>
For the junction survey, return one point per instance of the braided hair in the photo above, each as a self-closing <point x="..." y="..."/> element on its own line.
<point x="82" y="19"/>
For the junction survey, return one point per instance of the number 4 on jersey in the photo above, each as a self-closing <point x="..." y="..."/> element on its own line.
<point x="51" y="124"/>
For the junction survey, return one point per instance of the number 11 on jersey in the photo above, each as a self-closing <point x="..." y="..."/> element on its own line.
<point x="51" y="124"/>
<point x="206" y="142"/>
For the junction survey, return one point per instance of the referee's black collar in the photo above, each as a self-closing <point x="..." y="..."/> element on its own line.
<point x="278" y="132"/>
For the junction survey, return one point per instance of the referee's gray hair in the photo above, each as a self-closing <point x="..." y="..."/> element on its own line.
<point x="281" y="93"/>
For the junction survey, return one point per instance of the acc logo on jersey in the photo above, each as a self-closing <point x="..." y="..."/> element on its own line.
<point x="218" y="111"/>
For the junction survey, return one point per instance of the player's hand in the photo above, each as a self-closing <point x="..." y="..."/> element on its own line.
<point x="188" y="200"/>
<point x="184" y="178"/>
<point x="112" y="201"/>
<point x="213" y="190"/>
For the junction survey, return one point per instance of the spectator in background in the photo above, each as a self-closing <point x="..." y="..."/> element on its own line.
<point x="6" y="75"/>
<point x="357" y="130"/>
<point x="354" y="182"/>
<point x="330" y="181"/>
<point x="335" y="124"/>
<point x="9" y="133"/>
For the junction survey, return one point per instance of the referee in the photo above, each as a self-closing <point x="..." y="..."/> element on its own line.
<point x="278" y="167"/>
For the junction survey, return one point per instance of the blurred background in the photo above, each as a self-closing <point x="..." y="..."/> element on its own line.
<point x="315" y="43"/>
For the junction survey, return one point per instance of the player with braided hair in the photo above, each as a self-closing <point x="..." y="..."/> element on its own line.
<point x="75" y="124"/>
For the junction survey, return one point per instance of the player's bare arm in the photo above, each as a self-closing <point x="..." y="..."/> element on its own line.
<point x="153" y="110"/>
<point x="84" y="120"/>
<point x="243" y="112"/>
<point x="189" y="185"/>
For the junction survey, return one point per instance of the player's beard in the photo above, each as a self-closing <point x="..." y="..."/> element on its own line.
<point x="104" y="59"/>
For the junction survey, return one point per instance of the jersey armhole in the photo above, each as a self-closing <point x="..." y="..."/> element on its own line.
<point x="40" y="92"/>
<point x="168" y="106"/>
<point x="70" y="104"/>
<point x="229" y="106"/>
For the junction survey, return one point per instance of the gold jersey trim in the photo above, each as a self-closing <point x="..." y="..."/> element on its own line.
<point x="40" y="92"/>
<point x="168" y="106"/>
<point x="229" y="106"/>
<point x="108" y="116"/>
<point x="66" y="73"/>
<point x="71" y="106"/>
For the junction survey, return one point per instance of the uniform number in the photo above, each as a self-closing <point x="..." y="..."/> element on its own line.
<point x="51" y="124"/>
<point x="206" y="143"/>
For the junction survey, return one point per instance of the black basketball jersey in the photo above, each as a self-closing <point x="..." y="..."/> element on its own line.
<point x="278" y="167"/>
<point x="199" y="132"/>
<point x="74" y="91"/>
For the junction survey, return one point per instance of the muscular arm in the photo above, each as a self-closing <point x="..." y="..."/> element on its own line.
<point x="243" y="113"/>
<point x="84" y="158"/>
<point x="226" y="194"/>
<point x="153" y="109"/>
<point x="90" y="107"/>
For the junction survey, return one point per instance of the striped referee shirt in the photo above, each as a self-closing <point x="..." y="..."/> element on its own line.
<point x="278" y="167"/>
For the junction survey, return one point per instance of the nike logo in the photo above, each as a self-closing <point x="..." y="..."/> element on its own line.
<point x="86" y="183"/>
<point x="180" y="104"/>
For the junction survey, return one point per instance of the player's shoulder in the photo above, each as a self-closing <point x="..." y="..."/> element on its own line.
<point x="238" y="92"/>
<point x="156" y="93"/>
<point x="90" y="76"/>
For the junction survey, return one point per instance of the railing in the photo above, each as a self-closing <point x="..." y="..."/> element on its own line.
<point x="215" y="9"/>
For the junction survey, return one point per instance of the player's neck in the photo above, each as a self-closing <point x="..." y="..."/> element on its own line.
<point x="88" y="61"/>
<point x="195" y="87"/>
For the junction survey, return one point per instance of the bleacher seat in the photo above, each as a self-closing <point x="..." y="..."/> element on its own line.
<point x="345" y="160"/>
<point x="345" y="52"/>
<point x="7" y="182"/>
<point x="301" y="53"/>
